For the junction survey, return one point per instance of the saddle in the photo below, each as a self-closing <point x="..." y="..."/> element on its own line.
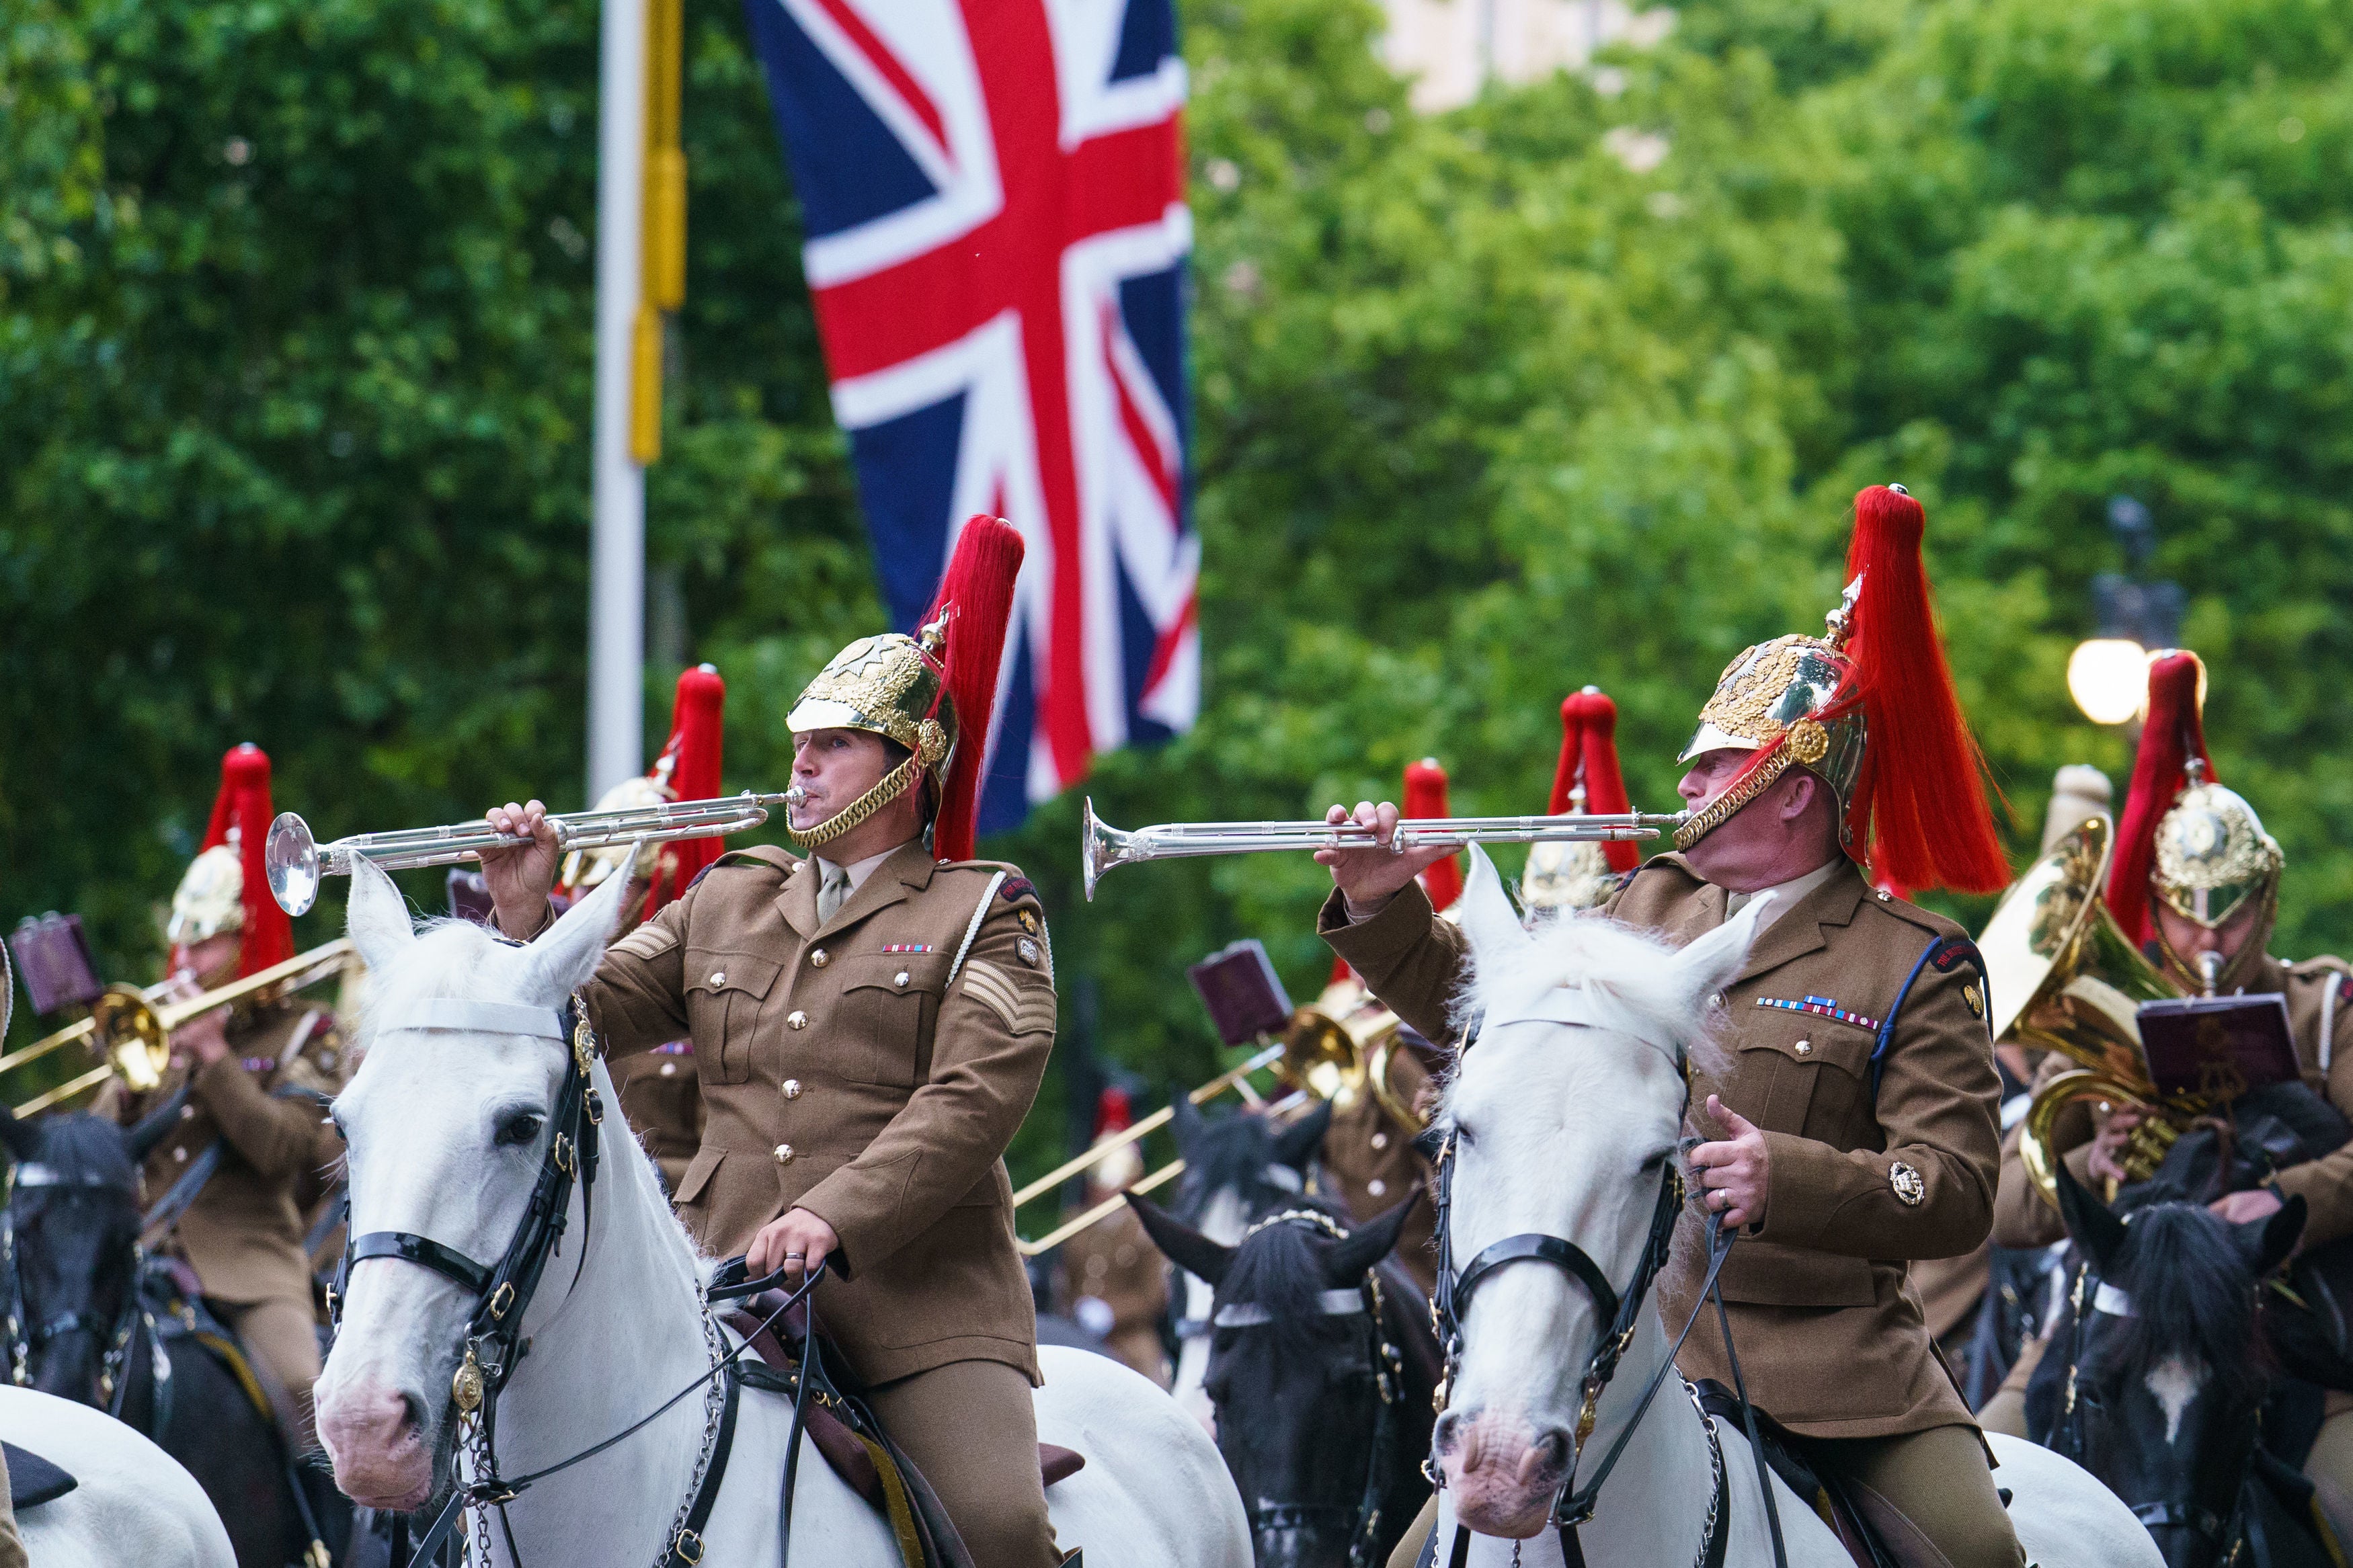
<point x="32" y="1481"/>
<point x="1846" y="1516"/>
<point x="856" y="1448"/>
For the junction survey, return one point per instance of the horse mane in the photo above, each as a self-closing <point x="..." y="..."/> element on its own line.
<point x="2192" y="1299"/>
<point x="80" y="1147"/>
<point x="1625" y="974"/>
<point x="1229" y="1152"/>
<point x="1281" y="1268"/>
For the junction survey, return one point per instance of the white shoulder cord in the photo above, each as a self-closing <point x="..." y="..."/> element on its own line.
<point x="979" y="914"/>
<point x="2329" y="1021"/>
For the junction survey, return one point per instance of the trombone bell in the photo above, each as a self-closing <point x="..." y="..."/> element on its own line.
<point x="131" y="1037"/>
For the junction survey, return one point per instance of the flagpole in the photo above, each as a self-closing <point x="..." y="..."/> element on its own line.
<point x="616" y="632"/>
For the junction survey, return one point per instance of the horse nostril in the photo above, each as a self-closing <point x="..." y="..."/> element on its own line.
<point x="1546" y="1455"/>
<point x="1442" y="1436"/>
<point x="411" y="1414"/>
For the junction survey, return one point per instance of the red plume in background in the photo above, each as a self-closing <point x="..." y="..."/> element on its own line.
<point x="1425" y="795"/>
<point x="976" y="593"/>
<point x="2174" y="733"/>
<point x="690" y="763"/>
<point x="1114" y="1112"/>
<point x="1605" y="785"/>
<point x="1920" y="804"/>
<point x="243" y="803"/>
<point x="1572" y="755"/>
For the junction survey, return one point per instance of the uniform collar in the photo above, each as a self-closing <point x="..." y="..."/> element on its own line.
<point x="907" y="868"/>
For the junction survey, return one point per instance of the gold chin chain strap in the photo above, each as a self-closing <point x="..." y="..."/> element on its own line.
<point x="890" y="787"/>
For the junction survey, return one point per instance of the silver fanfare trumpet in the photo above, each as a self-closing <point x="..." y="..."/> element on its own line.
<point x="297" y="861"/>
<point x="1103" y="847"/>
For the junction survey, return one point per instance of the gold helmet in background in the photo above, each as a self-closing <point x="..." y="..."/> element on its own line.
<point x="2212" y="854"/>
<point x="210" y="899"/>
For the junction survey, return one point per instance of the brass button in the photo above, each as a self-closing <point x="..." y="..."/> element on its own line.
<point x="783" y="1153"/>
<point x="792" y="1089"/>
<point x="181" y="1153"/>
<point x="1376" y="1186"/>
<point x="719" y="977"/>
<point x="1804" y="1047"/>
<point x="900" y="978"/>
<point x="1885" y="897"/>
<point x="667" y="1068"/>
<point x="1380" y="1139"/>
<point x="1716" y="1000"/>
<point x="796" y="1020"/>
<point x="819" y="959"/>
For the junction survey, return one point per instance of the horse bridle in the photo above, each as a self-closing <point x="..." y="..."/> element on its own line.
<point x="115" y="1337"/>
<point x="2227" y="1532"/>
<point x="1388" y="1377"/>
<point x="1621" y="1309"/>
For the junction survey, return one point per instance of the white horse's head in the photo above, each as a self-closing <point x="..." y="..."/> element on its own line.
<point x="1566" y="1114"/>
<point x="445" y="1129"/>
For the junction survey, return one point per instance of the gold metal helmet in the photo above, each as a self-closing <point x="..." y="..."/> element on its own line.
<point x="1574" y="874"/>
<point x="1776" y="687"/>
<point x="892" y="686"/>
<point x="210" y="899"/>
<point x="2212" y="856"/>
<point x="584" y="869"/>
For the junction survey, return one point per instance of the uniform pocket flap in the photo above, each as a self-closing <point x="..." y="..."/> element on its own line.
<point x="698" y="1173"/>
<point x="746" y="972"/>
<point x="1812" y="1037"/>
<point x="904" y="973"/>
<point x="1766" y="1274"/>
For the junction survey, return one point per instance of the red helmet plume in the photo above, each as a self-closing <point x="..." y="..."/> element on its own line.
<point x="1588" y="756"/>
<point x="1425" y="795"/>
<point x="977" y="596"/>
<point x="243" y="804"/>
<point x="688" y="769"/>
<point x="2173" y="733"/>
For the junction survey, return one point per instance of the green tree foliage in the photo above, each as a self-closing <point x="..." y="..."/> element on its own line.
<point x="1571" y="384"/>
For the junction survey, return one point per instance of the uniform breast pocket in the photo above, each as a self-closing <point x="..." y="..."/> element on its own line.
<point x="889" y="1004"/>
<point x="1818" y="1072"/>
<point x="725" y="994"/>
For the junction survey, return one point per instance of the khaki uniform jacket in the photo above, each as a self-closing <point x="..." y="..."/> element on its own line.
<point x="2319" y="994"/>
<point x="1373" y="1163"/>
<point x="1114" y="1262"/>
<point x="842" y="1072"/>
<point x="243" y="1236"/>
<point x="1829" y="1332"/>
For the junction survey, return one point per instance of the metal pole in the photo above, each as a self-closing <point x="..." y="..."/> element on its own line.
<point x="617" y="599"/>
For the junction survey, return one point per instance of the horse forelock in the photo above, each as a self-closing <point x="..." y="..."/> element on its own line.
<point x="1625" y="978"/>
<point x="1279" y="1268"/>
<point x="84" y="1150"/>
<point x="450" y="959"/>
<point x="2193" y="1299"/>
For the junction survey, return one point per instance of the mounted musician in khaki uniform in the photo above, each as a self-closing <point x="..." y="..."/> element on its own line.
<point x="1108" y="1277"/>
<point x="1855" y="1126"/>
<point x="255" y="1080"/>
<point x="2196" y="884"/>
<point x="870" y="1026"/>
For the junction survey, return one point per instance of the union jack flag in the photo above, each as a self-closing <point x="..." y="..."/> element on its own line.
<point x="993" y="194"/>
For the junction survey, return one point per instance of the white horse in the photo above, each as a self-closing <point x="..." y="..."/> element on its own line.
<point x="1564" y="1122"/>
<point x="447" y="1129"/>
<point x="134" y="1502"/>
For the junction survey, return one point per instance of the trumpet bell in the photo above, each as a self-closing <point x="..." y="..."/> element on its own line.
<point x="130" y="1036"/>
<point x="289" y="858"/>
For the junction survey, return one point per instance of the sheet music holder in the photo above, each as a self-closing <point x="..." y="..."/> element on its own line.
<point x="1245" y="997"/>
<point x="2219" y="1048"/>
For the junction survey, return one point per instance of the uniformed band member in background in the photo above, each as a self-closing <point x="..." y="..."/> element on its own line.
<point x="2196" y="880"/>
<point x="256" y="1078"/>
<point x="1855" y="1129"/>
<point x="661" y="1098"/>
<point x="870" y="1026"/>
<point x="1110" y="1278"/>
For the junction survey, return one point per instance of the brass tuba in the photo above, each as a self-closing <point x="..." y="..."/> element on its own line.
<point x="2065" y="977"/>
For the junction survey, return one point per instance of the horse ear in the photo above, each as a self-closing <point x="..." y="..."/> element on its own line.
<point x="1185" y="1124"/>
<point x="1186" y="1247"/>
<point x="1486" y="914"/>
<point x="1298" y="1144"/>
<point x="151" y="1128"/>
<point x="2267" y="1242"/>
<point x="562" y="958"/>
<point x="377" y="919"/>
<point x="2094" y="1225"/>
<point x="22" y="1139"/>
<point x="1354" y="1257"/>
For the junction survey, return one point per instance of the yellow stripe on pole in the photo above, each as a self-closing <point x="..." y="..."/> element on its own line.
<point x="646" y="387"/>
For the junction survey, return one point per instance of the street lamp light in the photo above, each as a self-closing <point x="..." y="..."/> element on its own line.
<point x="2108" y="674"/>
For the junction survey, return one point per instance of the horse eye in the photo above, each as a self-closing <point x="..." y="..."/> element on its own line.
<point x="517" y="1128"/>
<point x="1462" y="1137"/>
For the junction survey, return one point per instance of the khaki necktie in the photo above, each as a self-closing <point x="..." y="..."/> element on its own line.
<point x="831" y="892"/>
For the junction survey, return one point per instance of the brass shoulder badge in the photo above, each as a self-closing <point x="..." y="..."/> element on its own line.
<point x="1974" y="994"/>
<point x="1910" y="1189"/>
